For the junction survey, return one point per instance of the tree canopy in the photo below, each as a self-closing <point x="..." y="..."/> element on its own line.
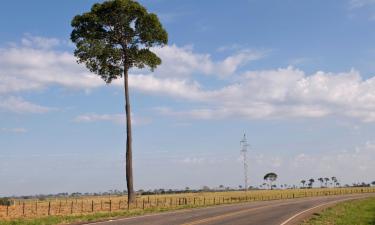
<point x="270" y="176"/>
<point x="117" y="35"/>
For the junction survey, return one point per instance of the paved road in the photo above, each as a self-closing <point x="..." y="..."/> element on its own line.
<point x="278" y="212"/>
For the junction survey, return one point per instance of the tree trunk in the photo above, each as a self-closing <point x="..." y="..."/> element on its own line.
<point x="129" y="160"/>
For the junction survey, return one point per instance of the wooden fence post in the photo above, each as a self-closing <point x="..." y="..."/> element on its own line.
<point x="49" y="208"/>
<point x="71" y="208"/>
<point x="7" y="210"/>
<point x="92" y="206"/>
<point x="23" y="208"/>
<point x="110" y="205"/>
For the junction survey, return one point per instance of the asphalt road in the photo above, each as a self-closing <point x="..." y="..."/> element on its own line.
<point x="278" y="212"/>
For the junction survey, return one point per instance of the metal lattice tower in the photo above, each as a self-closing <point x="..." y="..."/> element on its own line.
<point x="244" y="146"/>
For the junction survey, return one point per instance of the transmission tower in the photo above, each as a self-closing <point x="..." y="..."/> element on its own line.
<point x="244" y="146"/>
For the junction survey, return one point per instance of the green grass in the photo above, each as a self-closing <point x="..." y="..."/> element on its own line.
<point x="357" y="212"/>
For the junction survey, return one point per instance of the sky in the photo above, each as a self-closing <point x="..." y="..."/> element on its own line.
<point x="296" y="76"/>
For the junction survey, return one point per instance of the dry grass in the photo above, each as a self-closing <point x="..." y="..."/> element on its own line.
<point x="91" y="205"/>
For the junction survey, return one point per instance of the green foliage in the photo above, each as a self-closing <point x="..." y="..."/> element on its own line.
<point x="270" y="176"/>
<point x="359" y="212"/>
<point x="5" y="202"/>
<point x="115" y="36"/>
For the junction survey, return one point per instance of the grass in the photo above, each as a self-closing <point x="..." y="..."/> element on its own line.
<point x="53" y="220"/>
<point x="88" y="209"/>
<point x="356" y="212"/>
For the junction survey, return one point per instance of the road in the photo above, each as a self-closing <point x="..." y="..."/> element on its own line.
<point x="277" y="212"/>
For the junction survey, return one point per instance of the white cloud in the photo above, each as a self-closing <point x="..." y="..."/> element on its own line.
<point x="184" y="61"/>
<point x="39" y="42"/>
<point x="285" y="93"/>
<point x="25" y="69"/>
<point x="114" y="118"/>
<point x="13" y="130"/>
<point x="353" y="4"/>
<point x="19" y="105"/>
<point x="277" y="93"/>
<point x="35" y="65"/>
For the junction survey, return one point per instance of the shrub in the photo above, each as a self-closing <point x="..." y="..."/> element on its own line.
<point x="5" y="202"/>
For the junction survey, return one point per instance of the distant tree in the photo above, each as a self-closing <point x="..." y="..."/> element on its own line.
<point x="115" y="36"/>
<point x="311" y="182"/>
<point x="321" y="180"/>
<point x="5" y="202"/>
<point x="303" y="183"/>
<point x="373" y="183"/>
<point x="270" y="177"/>
<point x="326" y="179"/>
<point x="334" y="181"/>
<point x="221" y="187"/>
<point x="240" y="187"/>
<point x="206" y="188"/>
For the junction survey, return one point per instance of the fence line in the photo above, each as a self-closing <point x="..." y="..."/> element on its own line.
<point x="32" y="209"/>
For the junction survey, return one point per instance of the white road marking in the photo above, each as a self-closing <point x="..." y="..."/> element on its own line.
<point x="300" y="213"/>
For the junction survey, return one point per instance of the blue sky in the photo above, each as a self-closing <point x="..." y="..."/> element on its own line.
<point x="296" y="76"/>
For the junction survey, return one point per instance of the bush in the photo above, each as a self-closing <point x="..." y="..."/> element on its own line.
<point x="5" y="202"/>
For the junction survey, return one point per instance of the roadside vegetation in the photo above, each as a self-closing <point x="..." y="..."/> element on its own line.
<point x="357" y="212"/>
<point x="93" y="208"/>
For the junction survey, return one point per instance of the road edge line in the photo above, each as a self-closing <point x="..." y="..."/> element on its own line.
<point x="315" y="207"/>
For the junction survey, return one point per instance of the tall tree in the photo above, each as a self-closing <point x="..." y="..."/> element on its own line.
<point x="270" y="177"/>
<point x="112" y="38"/>
<point x="303" y="183"/>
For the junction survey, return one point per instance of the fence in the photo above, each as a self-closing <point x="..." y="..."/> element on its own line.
<point x="68" y="206"/>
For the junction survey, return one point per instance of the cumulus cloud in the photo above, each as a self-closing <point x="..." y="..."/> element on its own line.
<point x="19" y="105"/>
<point x="114" y="118"/>
<point x="287" y="92"/>
<point x="275" y="93"/>
<point x="179" y="61"/>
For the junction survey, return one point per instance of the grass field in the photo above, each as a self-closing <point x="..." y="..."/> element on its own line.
<point x="57" y="211"/>
<point x="358" y="212"/>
